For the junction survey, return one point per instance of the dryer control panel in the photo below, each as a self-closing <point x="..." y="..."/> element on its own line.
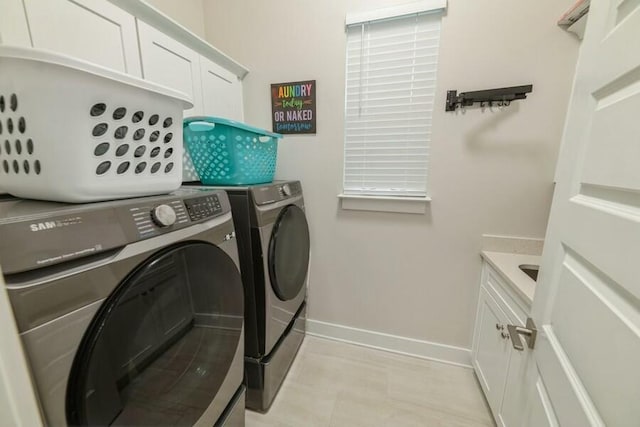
<point x="266" y="194"/>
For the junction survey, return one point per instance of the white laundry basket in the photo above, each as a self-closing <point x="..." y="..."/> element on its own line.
<point x="72" y="131"/>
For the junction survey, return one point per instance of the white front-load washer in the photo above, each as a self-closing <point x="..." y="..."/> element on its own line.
<point x="130" y="312"/>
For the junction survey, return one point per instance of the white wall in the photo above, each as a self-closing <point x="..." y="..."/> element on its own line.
<point x="188" y="13"/>
<point x="414" y="276"/>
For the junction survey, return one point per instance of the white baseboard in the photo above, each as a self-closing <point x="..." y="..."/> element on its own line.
<point x="395" y="344"/>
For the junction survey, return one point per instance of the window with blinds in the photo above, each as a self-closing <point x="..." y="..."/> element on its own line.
<point x="390" y="88"/>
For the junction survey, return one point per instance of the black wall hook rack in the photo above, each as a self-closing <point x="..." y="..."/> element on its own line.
<point x="501" y="96"/>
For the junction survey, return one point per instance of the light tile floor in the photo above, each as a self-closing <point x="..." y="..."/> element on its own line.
<point x="342" y="385"/>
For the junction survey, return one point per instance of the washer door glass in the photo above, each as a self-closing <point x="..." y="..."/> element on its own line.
<point x="289" y="252"/>
<point x="162" y="343"/>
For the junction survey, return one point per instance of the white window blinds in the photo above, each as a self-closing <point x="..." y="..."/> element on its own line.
<point x="390" y="88"/>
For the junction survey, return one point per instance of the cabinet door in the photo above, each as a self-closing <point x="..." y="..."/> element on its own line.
<point x="491" y="350"/>
<point x="221" y="91"/>
<point x="13" y="24"/>
<point x="93" y="30"/>
<point x="170" y="63"/>
<point x="515" y="393"/>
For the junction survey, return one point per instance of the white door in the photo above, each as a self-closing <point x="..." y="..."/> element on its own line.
<point x="170" y="63"/>
<point x="587" y="305"/>
<point x="221" y="91"/>
<point x="93" y="30"/>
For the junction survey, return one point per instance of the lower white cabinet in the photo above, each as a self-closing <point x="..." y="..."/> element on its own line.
<point x="492" y="350"/>
<point x="514" y="401"/>
<point x="501" y="370"/>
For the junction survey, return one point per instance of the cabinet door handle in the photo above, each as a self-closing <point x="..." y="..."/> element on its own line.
<point x="529" y="333"/>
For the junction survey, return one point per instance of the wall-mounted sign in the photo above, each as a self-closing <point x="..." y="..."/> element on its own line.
<point x="293" y="107"/>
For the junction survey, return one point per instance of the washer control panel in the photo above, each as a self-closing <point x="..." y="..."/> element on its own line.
<point x="150" y="219"/>
<point x="203" y="207"/>
<point x="37" y="234"/>
<point x="163" y="215"/>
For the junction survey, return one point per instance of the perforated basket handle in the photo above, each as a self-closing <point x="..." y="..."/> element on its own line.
<point x="201" y="126"/>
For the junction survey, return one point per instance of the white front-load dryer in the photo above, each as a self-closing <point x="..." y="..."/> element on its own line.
<point x="274" y="245"/>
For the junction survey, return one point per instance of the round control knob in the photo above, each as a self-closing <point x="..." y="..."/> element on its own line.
<point x="163" y="215"/>
<point x="286" y="190"/>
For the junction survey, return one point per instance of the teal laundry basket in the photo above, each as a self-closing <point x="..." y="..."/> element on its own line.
<point x="226" y="152"/>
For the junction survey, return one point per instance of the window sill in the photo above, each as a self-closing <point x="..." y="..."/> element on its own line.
<point x="399" y="204"/>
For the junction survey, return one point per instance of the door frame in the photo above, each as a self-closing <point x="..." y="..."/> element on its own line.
<point x="18" y="401"/>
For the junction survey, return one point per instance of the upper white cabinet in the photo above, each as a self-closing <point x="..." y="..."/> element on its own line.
<point x="170" y="63"/>
<point x="133" y="37"/>
<point x="215" y="90"/>
<point x="130" y="36"/>
<point x="93" y="30"/>
<point x="13" y="24"/>
<point x="221" y="91"/>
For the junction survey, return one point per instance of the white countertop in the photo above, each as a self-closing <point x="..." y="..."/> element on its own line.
<point x="507" y="265"/>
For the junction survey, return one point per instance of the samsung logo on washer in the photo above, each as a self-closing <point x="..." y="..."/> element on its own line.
<point x="43" y="226"/>
<point x="48" y="225"/>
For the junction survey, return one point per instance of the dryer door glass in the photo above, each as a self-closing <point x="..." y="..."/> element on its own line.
<point x="289" y="252"/>
<point x="162" y="343"/>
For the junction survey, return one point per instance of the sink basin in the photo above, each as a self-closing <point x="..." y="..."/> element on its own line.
<point x="530" y="270"/>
